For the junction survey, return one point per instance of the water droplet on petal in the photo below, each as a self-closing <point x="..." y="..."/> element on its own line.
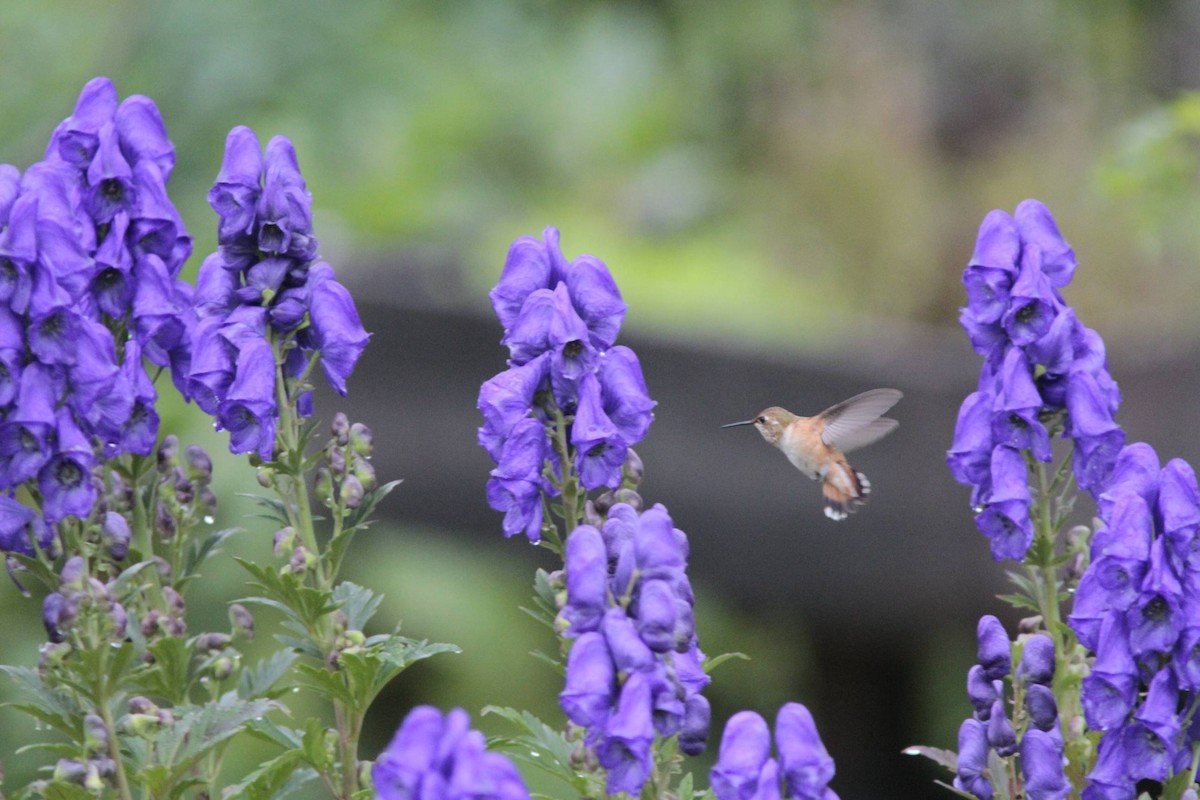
<point x="209" y="519"/>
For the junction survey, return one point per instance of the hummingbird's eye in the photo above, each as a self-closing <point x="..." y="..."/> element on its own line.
<point x="761" y="420"/>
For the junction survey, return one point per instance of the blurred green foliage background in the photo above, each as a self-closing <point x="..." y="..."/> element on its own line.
<point x="784" y="175"/>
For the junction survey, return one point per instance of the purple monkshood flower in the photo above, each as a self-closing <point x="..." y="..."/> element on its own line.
<point x="745" y="770"/>
<point x="439" y="756"/>
<point x="629" y="609"/>
<point x="263" y="283"/>
<point x="995" y="651"/>
<point x="1043" y="371"/>
<point x="561" y="321"/>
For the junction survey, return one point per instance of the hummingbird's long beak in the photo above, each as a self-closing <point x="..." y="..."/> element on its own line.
<point x="735" y="424"/>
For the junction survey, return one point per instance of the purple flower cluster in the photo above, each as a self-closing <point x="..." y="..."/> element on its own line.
<point x="634" y="669"/>
<point x="439" y="756"/>
<point x="561" y="321"/>
<point x="1039" y="361"/>
<point x="90" y="253"/>
<point x="261" y="287"/>
<point x="1138" y="609"/>
<point x="989" y="728"/>
<point x="745" y="769"/>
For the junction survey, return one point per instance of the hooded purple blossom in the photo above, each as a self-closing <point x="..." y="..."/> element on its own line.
<point x="436" y="756"/>
<point x="745" y="770"/>
<point x="1039" y="363"/>
<point x="561" y="321"/>
<point x="264" y="271"/>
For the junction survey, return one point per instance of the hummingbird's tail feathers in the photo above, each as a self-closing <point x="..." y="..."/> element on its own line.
<point x="843" y="497"/>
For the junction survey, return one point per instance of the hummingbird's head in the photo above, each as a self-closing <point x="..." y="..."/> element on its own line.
<point x="770" y="423"/>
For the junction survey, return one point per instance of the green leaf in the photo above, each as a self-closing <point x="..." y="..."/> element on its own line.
<point x="711" y="664"/>
<point x="268" y="731"/>
<point x="538" y="745"/>
<point x="304" y="603"/>
<point x="273" y="779"/>
<point x="260" y="680"/>
<point x="197" y="730"/>
<point x="274" y="508"/>
<point x="66" y="791"/>
<point x="200" y="549"/>
<point x="958" y="792"/>
<point x="51" y="707"/>
<point x="946" y="758"/>
<point x="312" y="743"/>
<point x="685" y="791"/>
<point x="357" y="518"/>
<point x="555" y="664"/>
<point x="1019" y="601"/>
<point x="358" y="603"/>
<point x="167" y="676"/>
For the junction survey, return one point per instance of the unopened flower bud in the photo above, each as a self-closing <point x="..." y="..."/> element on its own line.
<point x="352" y="491"/>
<point x="339" y="428"/>
<point x="162" y="567"/>
<point x="92" y="780"/>
<point x="222" y="668"/>
<point x="185" y="492"/>
<point x="174" y="601"/>
<point x="73" y="575"/>
<point x="323" y="486"/>
<point x="362" y="469"/>
<point x="208" y="501"/>
<point x="241" y="620"/>
<point x="361" y="439"/>
<point x="58" y="612"/>
<point x="285" y="540"/>
<point x="120" y="621"/>
<point x="164" y="521"/>
<point x="199" y="465"/>
<point x="604" y="502"/>
<point x="150" y="622"/>
<point x="69" y="770"/>
<point x="115" y="535"/>
<point x="302" y="561"/>
<point x="336" y="459"/>
<point x="212" y="641"/>
<point x="265" y="477"/>
<point x="168" y="453"/>
<point x="629" y="497"/>
<point x="591" y="516"/>
<point x="1030" y="624"/>
<point x="632" y="470"/>
<point x="95" y="733"/>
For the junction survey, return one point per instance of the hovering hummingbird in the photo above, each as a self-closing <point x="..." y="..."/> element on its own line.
<point x="817" y="445"/>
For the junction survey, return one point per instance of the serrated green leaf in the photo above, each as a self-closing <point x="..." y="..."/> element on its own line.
<point x="312" y="745"/>
<point x="49" y="706"/>
<point x="271" y="778"/>
<point x="167" y="676"/>
<point x="325" y="683"/>
<point x="358" y="603"/>
<point x="260" y="680"/>
<point x="268" y="731"/>
<point x="197" y="730"/>
<point x="538" y="745"/>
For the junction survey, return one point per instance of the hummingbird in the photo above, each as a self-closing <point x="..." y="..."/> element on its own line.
<point x="817" y="445"/>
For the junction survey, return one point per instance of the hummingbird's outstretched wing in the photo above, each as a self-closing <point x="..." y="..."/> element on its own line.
<point x="858" y="422"/>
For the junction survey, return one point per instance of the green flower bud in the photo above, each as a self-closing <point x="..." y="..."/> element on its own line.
<point x="242" y="621"/>
<point x="339" y="428"/>
<point x="352" y="491"/>
<point x="361" y="439"/>
<point x="95" y="733"/>
<point x="323" y="486"/>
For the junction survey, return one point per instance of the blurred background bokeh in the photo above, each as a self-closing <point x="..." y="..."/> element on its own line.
<point x="786" y="194"/>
